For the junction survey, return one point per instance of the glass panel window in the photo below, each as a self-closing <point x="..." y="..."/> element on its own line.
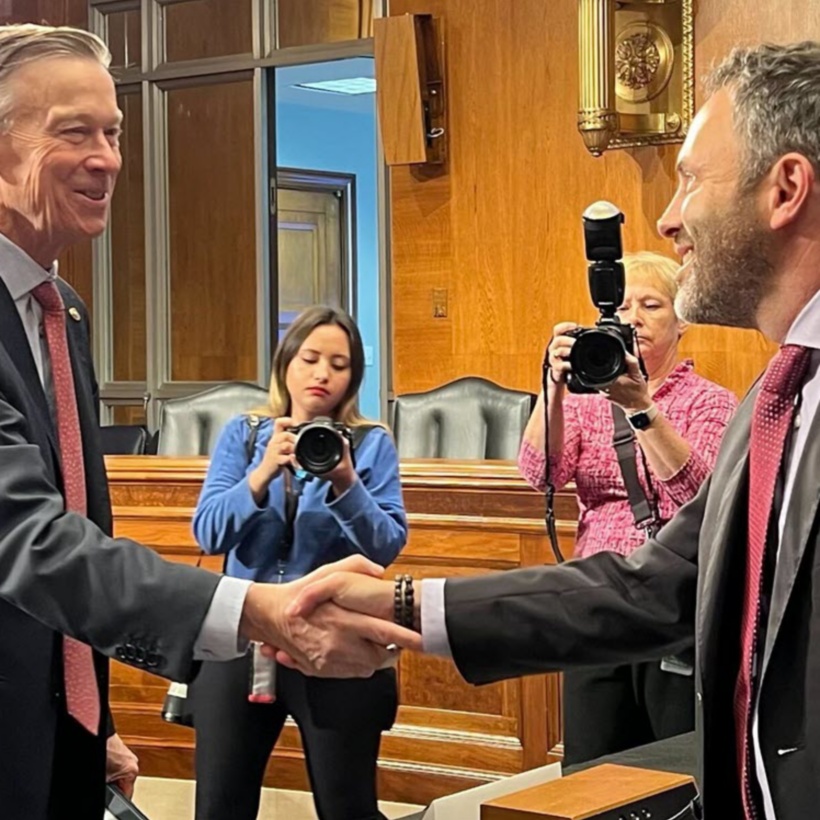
<point x="212" y="232"/>
<point x="308" y="22"/>
<point x="128" y="249"/>
<point x="198" y="29"/>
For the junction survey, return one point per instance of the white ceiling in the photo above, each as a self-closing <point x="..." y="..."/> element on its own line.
<point x="290" y="76"/>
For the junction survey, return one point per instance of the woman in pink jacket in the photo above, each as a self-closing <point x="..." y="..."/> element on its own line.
<point x="679" y="418"/>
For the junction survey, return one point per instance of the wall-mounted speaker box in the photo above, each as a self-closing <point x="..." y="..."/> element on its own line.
<point x="410" y="89"/>
<point x="607" y="792"/>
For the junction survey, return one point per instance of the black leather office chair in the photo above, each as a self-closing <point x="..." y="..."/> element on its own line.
<point x="470" y="418"/>
<point x="123" y="439"/>
<point x="189" y="426"/>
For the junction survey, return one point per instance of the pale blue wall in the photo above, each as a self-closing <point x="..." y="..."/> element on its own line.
<point x="334" y="140"/>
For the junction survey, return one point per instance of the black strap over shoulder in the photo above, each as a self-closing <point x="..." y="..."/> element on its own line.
<point x="253" y="422"/>
<point x="643" y="510"/>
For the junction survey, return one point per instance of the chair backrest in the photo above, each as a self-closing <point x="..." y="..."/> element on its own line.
<point x="123" y="439"/>
<point x="189" y="426"/>
<point x="469" y="418"/>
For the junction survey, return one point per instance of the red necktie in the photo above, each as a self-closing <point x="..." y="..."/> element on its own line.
<point x="773" y="412"/>
<point x="82" y="693"/>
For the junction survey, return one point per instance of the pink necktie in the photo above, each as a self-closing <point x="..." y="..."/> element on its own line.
<point x="82" y="693"/>
<point x="773" y="412"/>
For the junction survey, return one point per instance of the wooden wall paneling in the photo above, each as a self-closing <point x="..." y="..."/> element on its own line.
<point x="309" y="22"/>
<point x="720" y="26"/>
<point x="212" y="232"/>
<point x="125" y="38"/>
<point x="398" y="93"/>
<point x="466" y="518"/>
<point x="129" y="414"/>
<point x="198" y="29"/>
<point x="49" y="12"/>
<point x="128" y="309"/>
<point x="500" y="228"/>
<point x="76" y="267"/>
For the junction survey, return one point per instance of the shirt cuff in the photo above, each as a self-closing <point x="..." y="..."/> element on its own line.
<point x="433" y="623"/>
<point x="219" y="638"/>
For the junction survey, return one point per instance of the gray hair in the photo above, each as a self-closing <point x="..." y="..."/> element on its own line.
<point x="776" y="93"/>
<point x="24" y="43"/>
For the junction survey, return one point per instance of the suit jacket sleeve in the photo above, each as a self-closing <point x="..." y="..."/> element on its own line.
<point x="61" y="569"/>
<point x="601" y="610"/>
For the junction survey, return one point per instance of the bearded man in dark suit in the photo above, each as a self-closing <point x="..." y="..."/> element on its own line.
<point x="737" y="571"/>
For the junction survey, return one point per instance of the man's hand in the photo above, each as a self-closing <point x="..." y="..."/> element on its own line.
<point x="367" y="594"/>
<point x="363" y="594"/>
<point x="121" y="765"/>
<point x="331" y="642"/>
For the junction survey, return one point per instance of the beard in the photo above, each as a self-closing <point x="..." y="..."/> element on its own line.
<point x="731" y="271"/>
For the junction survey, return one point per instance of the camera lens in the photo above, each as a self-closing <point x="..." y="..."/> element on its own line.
<point x="597" y="358"/>
<point x="319" y="449"/>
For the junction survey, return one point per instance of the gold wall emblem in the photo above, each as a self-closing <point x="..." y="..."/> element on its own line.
<point x="636" y="72"/>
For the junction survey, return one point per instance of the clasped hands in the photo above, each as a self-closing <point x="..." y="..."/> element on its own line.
<point x="335" y="623"/>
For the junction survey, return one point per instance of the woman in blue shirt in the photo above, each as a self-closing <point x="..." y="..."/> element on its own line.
<point x="355" y="508"/>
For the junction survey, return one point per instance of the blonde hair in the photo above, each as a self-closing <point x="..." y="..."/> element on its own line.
<point x="662" y="267"/>
<point x="24" y="43"/>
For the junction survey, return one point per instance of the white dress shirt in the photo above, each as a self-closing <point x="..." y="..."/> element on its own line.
<point x="805" y="331"/>
<point x="218" y="637"/>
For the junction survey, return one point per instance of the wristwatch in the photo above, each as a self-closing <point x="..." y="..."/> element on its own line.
<point x="643" y="418"/>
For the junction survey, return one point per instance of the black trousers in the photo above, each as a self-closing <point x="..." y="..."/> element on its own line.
<point x="609" y="709"/>
<point x="340" y="722"/>
<point x="78" y="776"/>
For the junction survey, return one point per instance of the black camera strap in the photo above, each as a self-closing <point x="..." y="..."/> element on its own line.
<point x="292" y="496"/>
<point x="644" y="510"/>
<point x="549" y="487"/>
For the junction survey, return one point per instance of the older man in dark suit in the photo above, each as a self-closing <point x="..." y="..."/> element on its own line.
<point x="61" y="577"/>
<point x="737" y="571"/>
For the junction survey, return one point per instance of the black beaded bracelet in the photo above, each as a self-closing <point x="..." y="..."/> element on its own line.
<point x="398" y="599"/>
<point x="403" y="601"/>
<point x="409" y="602"/>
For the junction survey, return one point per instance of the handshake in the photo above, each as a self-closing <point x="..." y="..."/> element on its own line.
<point x="336" y="622"/>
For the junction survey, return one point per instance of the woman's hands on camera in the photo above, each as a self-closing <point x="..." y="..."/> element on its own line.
<point x="343" y="476"/>
<point x="558" y="353"/>
<point x="630" y="391"/>
<point x="278" y="454"/>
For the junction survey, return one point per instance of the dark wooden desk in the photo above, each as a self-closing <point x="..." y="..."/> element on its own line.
<point x="466" y="518"/>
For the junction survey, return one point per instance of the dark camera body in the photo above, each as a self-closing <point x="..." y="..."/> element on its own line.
<point x="320" y="444"/>
<point x="598" y="356"/>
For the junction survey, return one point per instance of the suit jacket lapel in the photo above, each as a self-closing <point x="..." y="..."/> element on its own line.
<point x="76" y="334"/>
<point x="99" y="504"/>
<point x="14" y="339"/>
<point x="802" y="512"/>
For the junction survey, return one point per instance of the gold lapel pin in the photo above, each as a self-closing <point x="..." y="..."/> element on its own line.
<point x="74" y="314"/>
